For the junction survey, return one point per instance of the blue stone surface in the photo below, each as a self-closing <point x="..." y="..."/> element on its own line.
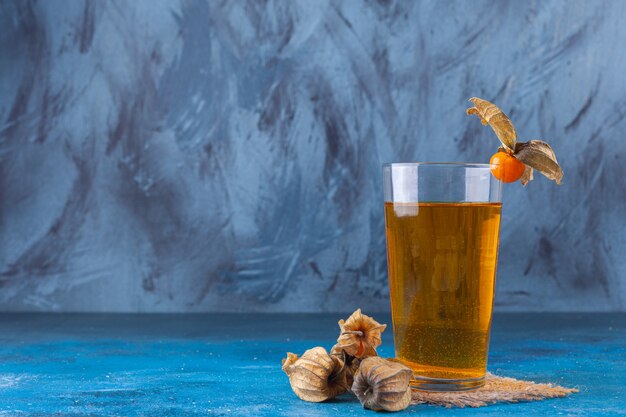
<point x="189" y="156"/>
<point x="223" y="365"/>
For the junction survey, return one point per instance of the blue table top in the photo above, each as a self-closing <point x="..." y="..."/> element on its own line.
<point x="222" y="365"/>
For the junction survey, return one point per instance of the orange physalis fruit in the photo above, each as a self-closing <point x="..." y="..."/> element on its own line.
<point x="505" y="167"/>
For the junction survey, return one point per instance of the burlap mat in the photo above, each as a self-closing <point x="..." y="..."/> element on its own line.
<point x="497" y="389"/>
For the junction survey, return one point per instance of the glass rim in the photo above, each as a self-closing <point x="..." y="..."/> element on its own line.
<point x="435" y="164"/>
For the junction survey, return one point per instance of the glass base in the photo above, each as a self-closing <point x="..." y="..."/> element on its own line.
<point x="422" y="383"/>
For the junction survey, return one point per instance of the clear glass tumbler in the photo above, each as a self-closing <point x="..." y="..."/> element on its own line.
<point x="442" y="224"/>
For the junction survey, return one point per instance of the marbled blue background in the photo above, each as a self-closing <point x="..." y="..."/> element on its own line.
<point x="211" y="156"/>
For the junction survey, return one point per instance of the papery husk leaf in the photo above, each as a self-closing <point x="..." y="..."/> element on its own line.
<point x="540" y="156"/>
<point x="288" y="362"/>
<point x="350" y="364"/>
<point x="316" y="376"/>
<point x="490" y="114"/>
<point x="381" y="384"/>
<point x="360" y="335"/>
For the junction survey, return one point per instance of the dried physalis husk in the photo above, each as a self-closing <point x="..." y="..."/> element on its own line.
<point x="350" y="364"/>
<point x="381" y="384"/>
<point x="490" y="114"/>
<point x="540" y="156"/>
<point x="534" y="153"/>
<point x="360" y="335"/>
<point x="316" y="376"/>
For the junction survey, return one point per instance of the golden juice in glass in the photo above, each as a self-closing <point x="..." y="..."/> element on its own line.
<point x="442" y="264"/>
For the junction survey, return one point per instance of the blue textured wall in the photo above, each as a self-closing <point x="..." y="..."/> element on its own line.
<point x="188" y="156"/>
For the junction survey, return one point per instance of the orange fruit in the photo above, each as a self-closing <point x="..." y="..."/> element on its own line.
<point x="505" y="167"/>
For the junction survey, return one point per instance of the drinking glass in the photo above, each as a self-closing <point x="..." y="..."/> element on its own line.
<point x="442" y="225"/>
